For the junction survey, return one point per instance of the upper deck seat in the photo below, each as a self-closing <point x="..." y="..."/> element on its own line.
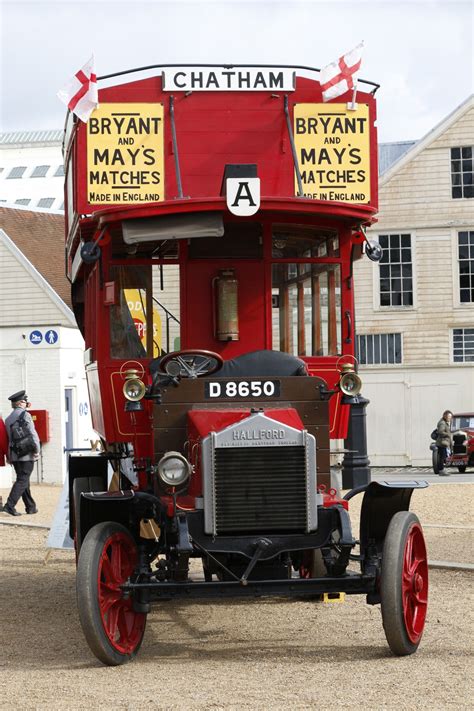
<point x="265" y="363"/>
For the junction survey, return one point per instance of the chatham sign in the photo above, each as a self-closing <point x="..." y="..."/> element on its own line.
<point x="228" y="79"/>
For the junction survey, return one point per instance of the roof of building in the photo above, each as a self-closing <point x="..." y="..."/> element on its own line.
<point x="40" y="237"/>
<point x="16" y="138"/>
<point x="389" y="153"/>
<point x="432" y="135"/>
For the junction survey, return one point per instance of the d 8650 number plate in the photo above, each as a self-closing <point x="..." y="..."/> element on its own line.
<point x="242" y="389"/>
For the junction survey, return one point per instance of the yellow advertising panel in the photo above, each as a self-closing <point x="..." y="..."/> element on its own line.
<point x="136" y="305"/>
<point x="333" y="149"/>
<point x="125" y="154"/>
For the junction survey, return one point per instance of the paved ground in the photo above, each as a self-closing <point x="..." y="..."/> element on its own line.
<point x="268" y="654"/>
<point x="417" y="473"/>
<point x="426" y="473"/>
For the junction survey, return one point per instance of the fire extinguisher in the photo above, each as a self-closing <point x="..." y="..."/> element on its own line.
<point x="226" y="306"/>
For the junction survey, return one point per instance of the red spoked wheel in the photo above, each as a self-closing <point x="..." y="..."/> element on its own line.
<point x="113" y="629"/>
<point x="404" y="583"/>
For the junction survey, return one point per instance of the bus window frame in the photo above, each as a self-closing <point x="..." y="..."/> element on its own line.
<point x="268" y="260"/>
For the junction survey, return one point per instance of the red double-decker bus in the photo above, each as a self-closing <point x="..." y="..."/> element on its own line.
<point x="214" y="214"/>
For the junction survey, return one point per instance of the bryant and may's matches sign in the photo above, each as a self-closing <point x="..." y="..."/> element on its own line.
<point x="333" y="149"/>
<point x="125" y="154"/>
<point x="125" y="162"/>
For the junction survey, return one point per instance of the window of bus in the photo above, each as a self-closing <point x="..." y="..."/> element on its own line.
<point x="306" y="296"/>
<point x="144" y="320"/>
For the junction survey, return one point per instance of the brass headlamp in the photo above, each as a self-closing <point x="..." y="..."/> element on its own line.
<point x="349" y="382"/>
<point x="133" y="388"/>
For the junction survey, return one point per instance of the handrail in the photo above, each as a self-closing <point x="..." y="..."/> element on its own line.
<point x="169" y="317"/>
<point x="227" y="66"/>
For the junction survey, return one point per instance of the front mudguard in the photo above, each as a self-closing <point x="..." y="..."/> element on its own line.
<point x="380" y="503"/>
<point x="124" y="507"/>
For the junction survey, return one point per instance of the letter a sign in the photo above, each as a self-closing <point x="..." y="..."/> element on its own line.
<point x="243" y="196"/>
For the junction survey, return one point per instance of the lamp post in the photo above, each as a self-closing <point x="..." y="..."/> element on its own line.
<point x="356" y="464"/>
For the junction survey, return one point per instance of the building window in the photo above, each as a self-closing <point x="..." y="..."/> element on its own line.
<point x="40" y="171"/>
<point x="23" y="201"/>
<point x="46" y="202"/>
<point x="461" y="172"/>
<point x="59" y="172"/>
<point x="396" y="271"/>
<point x="379" y="348"/>
<point x="16" y="172"/>
<point x="466" y="266"/>
<point x="463" y="345"/>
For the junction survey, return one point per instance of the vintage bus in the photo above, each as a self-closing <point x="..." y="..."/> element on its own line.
<point x="213" y="217"/>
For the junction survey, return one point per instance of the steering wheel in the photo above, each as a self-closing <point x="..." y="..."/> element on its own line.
<point x="191" y="363"/>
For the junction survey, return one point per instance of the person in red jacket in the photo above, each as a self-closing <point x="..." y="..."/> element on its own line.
<point x="3" y="443"/>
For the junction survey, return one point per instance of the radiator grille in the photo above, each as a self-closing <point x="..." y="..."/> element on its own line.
<point x="260" y="489"/>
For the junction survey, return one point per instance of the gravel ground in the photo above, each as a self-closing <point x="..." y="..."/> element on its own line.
<point x="270" y="654"/>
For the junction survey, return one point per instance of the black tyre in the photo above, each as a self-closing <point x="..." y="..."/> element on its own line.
<point x="462" y="469"/>
<point x="436" y="462"/>
<point x="112" y="628"/>
<point x="404" y="583"/>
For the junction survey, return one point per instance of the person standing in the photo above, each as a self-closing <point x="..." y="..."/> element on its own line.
<point x="23" y="465"/>
<point x="444" y="440"/>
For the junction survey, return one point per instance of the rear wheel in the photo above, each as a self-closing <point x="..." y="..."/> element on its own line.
<point x="404" y="583"/>
<point x="436" y="461"/>
<point x="112" y="628"/>
<point x="312" y="565"/>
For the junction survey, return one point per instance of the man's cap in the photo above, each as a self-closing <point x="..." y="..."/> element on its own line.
<point x="20" y="395"/>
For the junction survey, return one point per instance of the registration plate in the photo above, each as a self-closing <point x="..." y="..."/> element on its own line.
<point x="240" y="389"/>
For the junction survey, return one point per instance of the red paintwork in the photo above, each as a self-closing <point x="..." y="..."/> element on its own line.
<point x="414" y="583"/>
<point x="213" y="129"/>
<point x="123" y="626"/>
<point x="330" y="497"/>
<point x="202" y="422"/>
<point x="467" y="459"/>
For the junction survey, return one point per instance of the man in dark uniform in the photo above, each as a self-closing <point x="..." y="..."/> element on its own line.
<point x="23" y="465"/>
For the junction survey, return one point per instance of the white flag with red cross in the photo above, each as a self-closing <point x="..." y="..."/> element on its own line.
<point x="80" y="94"/>
<point x="341" y="76"/>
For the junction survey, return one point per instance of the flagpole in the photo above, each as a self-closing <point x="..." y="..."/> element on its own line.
<point x="352" y="106"/>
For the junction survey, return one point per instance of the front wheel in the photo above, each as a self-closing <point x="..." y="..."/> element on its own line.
<point x="462" y="468"/>
<point x="112" y="628"/>
<point x="404" y="583"/>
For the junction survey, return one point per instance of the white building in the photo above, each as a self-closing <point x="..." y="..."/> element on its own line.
<point x="415" y="310"/>
<point x="31" y="169"/>
<point x="41" y="348"/>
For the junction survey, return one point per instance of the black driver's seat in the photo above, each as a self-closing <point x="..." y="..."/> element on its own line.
<point x="263" y="363"/>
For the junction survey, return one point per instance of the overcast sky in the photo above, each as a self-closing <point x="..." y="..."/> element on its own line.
<point x="420" y="52"/>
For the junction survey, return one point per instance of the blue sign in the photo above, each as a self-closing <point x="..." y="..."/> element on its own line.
<point x="36" y="337"/>
<point x="83" y="408"/>
<point x="51" y="337"/>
